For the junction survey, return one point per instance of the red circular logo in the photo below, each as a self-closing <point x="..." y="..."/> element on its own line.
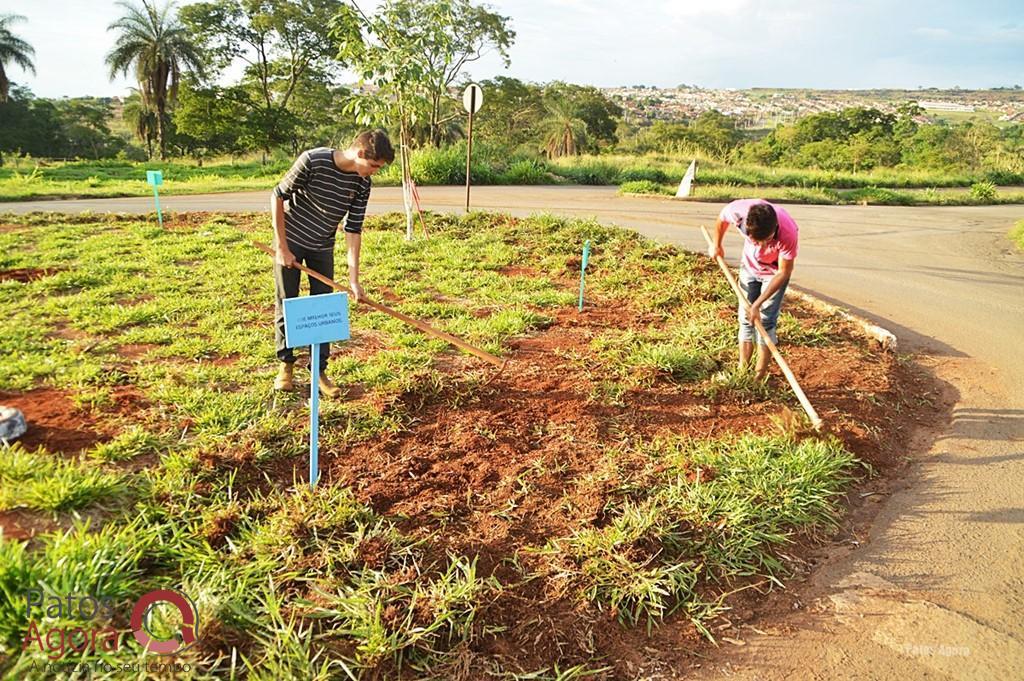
<point x="186" y="636"/>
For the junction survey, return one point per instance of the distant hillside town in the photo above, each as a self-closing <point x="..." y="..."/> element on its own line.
<point x="766" y="108"/>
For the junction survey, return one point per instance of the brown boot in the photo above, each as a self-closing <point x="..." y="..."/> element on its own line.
<point x="327" y="387"/>
<point x="285" y="374"/>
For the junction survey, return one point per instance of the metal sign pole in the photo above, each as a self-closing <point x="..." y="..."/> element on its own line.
<point x="314" y="415"/>
<point x="469" y="137"/>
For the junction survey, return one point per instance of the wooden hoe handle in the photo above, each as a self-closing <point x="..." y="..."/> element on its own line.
<point x="422" y="326"/>
<point x="787" y="372"/>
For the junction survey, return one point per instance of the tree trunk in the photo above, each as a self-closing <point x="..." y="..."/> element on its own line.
<point x="161" y="142"/>
<point x="406" y="174"/>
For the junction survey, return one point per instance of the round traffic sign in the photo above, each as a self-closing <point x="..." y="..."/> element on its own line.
<point x="472" y="98"/>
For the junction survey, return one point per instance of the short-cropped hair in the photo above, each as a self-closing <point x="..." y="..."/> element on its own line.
<point x="761" y="222"/>
<point x="376" y="145"/>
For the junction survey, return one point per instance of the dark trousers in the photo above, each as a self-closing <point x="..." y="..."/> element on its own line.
<point x="286" y="280"/>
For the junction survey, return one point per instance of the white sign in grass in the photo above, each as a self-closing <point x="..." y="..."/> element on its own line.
<point x="684" y="186"/>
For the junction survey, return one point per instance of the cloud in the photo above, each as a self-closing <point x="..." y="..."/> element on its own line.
<point x="687" y="9"/>
<point x="934" y="33"/>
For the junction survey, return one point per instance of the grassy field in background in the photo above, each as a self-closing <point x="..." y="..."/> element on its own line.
<point x="984" y="195"/>
<point x="23" y="180"/>
<point x="199" y="485"/>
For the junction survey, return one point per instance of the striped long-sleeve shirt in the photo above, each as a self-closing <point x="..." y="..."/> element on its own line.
<point x="319" y="197"/>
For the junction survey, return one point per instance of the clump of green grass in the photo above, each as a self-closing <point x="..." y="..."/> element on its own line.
<point x="134" y="441"/>
<point x="737" y="382"/>
<point x="526" y="171"/>
<point x="983" y="192"/>
<point x="35" y="480"/>
<point x="1017" y="235"/>
<point x="717" y="511"/>
<point x="820" y="332"/>
<point x="404" y="619"/>
<point x="587" y="171"/>
<point x="323" y="530"/>
<point x="644" y="187"/>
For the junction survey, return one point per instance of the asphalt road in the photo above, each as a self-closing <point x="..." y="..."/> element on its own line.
<point x="937" y="591"/>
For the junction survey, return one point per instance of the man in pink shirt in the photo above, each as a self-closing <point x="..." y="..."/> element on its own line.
<point x="770" y="238"/>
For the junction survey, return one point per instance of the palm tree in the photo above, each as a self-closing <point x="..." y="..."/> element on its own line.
<point x="141" y="120"/>
<point x="562" y="131"/>
<point x="13" y="49"/>
<point x="158" y="47"/>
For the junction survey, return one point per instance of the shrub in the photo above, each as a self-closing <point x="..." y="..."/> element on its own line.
<point x="525" y="171"/>
<point x="643" y="187"/>
<point x="594" y="172"/>
<point x="983" y="191"/>
<point x="650" y="174"/>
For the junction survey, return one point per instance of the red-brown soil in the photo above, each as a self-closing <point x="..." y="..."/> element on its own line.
<point x="26" y="274"/>
<point x="54" y="421"/>
<point x="524" y="458"/>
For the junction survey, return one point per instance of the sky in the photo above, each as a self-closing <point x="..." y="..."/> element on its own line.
<point x="835" y="44"/>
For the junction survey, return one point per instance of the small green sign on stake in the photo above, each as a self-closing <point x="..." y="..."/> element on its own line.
<point x="156" y="177"/>
<point x="583" y="269"/>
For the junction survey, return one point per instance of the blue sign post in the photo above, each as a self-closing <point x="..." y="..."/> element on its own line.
<point x="312" y="320"/>
<point x="155" y="178"/>
<point x="583" y="269"/>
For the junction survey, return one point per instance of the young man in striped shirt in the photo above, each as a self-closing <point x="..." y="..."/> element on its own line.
<point x="323" y="187"/>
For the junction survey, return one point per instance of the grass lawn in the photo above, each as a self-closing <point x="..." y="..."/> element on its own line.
<point x="651" y="174"/>
<point x="878" y="196"/>
<point x="601" y="498"/>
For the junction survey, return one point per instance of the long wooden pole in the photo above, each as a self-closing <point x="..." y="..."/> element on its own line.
<point x="422" y="326"/>
<point x="786" y="371"/>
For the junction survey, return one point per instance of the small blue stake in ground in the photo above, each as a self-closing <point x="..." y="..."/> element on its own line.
<point x="312" y="320"/>
<point x="156" y="177"/>
<point x="583" y="269"/>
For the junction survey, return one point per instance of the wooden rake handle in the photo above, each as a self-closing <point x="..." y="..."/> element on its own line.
<point x="422" y="326"/>
<point x="787" y="372"/>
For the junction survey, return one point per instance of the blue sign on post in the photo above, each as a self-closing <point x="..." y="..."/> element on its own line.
<point x="156" y="177"/>
<point x="312" y="320"/>
<point x="583" y="269"/>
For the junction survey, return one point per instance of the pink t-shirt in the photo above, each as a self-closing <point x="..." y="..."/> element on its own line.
<point x="763" y="261"/>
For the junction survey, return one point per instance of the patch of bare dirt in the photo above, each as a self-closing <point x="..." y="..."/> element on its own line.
<point x="20" y="524"/>
<point x="135" y="350"/>
<point x="54" y="421"/>
<point x="27" y="274"/>
<point x="519" y="271"/>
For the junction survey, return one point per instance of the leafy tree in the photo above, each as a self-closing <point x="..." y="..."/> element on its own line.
<point x="407" y="55"/>
<point x="599" y="114"/>
<point x="141" y="120"/>
<point x="318" y="104"/>
<point x="283" y="44"/>
<point x="157" y="47"/>
<point x="514" y="109"/>
<point x="27" y="125"/>
<point x="12" y="50"/>
<point x="714" y="132"/>
<point x="562" y="131"/>
<point x="84" y="129"/>
<point x="207" y="121"/>
<point x="420" y="48"/>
